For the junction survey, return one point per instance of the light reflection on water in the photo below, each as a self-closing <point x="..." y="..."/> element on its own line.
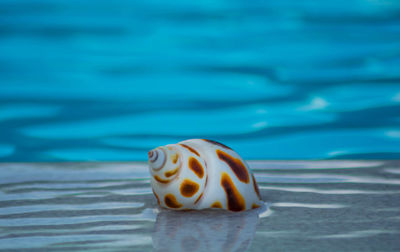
<point x="109" y="81"/>
<point x="204" y="231"/>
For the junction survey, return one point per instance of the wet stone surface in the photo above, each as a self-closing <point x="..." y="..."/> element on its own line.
<point x="310" y="206"/>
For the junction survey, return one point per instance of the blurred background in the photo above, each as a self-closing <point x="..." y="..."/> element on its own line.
<point x="109" y="80"/>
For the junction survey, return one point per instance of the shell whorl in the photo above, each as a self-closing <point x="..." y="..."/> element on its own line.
<point x="157" y="158"/>
<point x="198" y="174"/>
<point x="165" y="163"/>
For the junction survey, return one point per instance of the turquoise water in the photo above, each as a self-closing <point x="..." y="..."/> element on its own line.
<point x="101" y="80"/>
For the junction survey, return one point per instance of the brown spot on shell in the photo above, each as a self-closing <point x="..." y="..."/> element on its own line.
<point x="197" y="200"/>
<point x="217" y="143"/>
<point x="236" y="165"/>
<point x="163" y="181"/>
<point x="254" y="206"/>
<point x="196" y="167"/>
<point x="150" y="154"/>
<point x="235" y="200"/>
<point x="190" y="149"/>
<point x="174" y="158"/>
<point x="256" y="186"/>
<point x="171" y="201"/>
<point x="216" y="204"/>
<point x="189" y="188"/>
<point x="171" y="173"/>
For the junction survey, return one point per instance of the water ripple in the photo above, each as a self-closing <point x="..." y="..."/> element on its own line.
<point x="22" y="111"/>
<point x="92" y="206"/>
<point x="333" y="191"/>
<point x="293" y="204"/>
<point x="6" y="149"/>
<point x="323" y="178"/>
<point x="357" y="234"/>
<point x="85" y="81"/>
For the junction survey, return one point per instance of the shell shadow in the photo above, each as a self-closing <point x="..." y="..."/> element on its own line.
<point x="207" y="230"/>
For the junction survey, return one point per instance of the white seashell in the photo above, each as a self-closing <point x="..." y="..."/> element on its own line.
<point x="201" y="174"/>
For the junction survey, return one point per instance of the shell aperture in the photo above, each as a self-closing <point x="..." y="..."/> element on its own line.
<point x="201" y="174"/>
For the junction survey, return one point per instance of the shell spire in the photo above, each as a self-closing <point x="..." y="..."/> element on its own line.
<point x="157" y="158"/>
<point x="164" y="163"/>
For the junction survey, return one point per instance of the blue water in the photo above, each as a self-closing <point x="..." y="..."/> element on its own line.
<point x="101" y="80"/>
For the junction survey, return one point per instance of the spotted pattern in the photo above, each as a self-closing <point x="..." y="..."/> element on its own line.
<point x="236" y="165"/>
<point x="196" y="167"/>
<point x="171" y="173"/>
<point x="189" y="188"/>
<point x="216" y="204"/>
<point x="235" y="200"/>
<point x="160" y="180"/>
<point x="190" y="149"/>
<point x="171" y="201"/>
<point x="231" y="179"/>
<point x="174" y="158"/>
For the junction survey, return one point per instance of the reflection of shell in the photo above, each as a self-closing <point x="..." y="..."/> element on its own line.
<point x="204" y="231"/>
<point x="199" y="174"/>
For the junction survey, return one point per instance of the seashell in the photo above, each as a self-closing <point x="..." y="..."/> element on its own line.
<point x="201" y="174"/>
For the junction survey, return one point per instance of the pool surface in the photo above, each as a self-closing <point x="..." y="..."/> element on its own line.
<point x="310" y="206"/>
<point x="88" y="80"/>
